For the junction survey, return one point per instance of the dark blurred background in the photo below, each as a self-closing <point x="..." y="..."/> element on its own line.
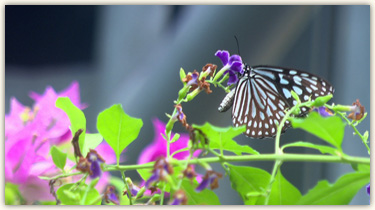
<point x="132" y="55"/>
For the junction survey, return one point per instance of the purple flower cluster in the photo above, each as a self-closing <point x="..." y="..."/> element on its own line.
<point x="232" y="63"/>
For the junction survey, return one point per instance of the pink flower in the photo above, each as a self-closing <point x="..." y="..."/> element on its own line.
<point x="29" y="133"/>
<point x="159" y="146"/>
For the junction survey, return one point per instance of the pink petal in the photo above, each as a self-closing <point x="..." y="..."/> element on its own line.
<point x="35" y="189"/>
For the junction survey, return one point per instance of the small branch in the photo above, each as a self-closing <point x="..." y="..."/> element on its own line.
<point x="244" y="158"/>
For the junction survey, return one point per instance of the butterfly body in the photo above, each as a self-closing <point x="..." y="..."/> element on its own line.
<point x="263" y="93"/>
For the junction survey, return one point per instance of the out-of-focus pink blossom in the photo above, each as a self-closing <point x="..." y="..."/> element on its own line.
<point x="159" y="145"/>
<point x="29" y="134"/>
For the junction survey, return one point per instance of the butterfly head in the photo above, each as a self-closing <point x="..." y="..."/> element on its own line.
<point x="247" y="69"/>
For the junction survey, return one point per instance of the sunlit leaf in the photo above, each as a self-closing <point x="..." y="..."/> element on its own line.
<point x="222" y="138"/>
<point x="330" y="129"/>
<point x="247" y="180"/>
<point x="323" y="149"/>
<point x="76" y="117"/>
<point x="71" y="195"/>
<point x="339" y="193"/>
<point x="118" y="128"/>
<point x="58" y="157"/>
<point x="283" y="192"/>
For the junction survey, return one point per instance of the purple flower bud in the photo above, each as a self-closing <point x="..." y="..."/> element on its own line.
<point x="179" y="198"/>
<point x="95" y="159"/>
<point x="211" y="178"/>
<point x="111" y="196"/>
<point x="161" y="169"/>
<point x="323" y="111"/>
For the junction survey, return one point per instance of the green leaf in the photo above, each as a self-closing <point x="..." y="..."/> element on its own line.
<point x="205" y="197"/>
<point x="323" y="149"/>
<point x="12" y="194"/>
<point x="283" y="192"/>
<point x="321" y="100"/>
<point x="339" y="193"/>
<point x="118" y="128"/>
<point x="249" y="180"/>
<point x="145" y="173"/>
<point x="175" y="137"/>
<point x="182" y="74"/>
<point x="330" y="129"/>
<point x="76" y="117"/>
<point x="92" y="140"/>
<point x="58" y="157"/>
<point x="71" y="195"/>
<point x="222" y="138"/>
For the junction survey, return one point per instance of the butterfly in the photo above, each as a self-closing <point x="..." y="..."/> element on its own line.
<point x="263" y="93"/>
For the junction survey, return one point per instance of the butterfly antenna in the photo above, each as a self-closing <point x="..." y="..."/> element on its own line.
<point x="238" y="46"/>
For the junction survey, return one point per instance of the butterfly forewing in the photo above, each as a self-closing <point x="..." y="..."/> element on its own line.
<point x="263" y="95"/>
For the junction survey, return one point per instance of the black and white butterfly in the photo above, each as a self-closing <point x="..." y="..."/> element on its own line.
<point x="263" y="94"/>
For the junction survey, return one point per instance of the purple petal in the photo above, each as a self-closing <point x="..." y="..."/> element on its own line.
<point x="237" y="67"/>
<point x="322" y="111"/>
<point x="176" y="202"/>
<point x="113" y="198"/>
<point x="232" y="78"/>
<point x="223" y="55"/>
<point x="368" y="189"/>
<point x="203" y="185"/>
<point x="235" y="58"/>
<point x="153" y="178"/>
<point x="96" y="170"/>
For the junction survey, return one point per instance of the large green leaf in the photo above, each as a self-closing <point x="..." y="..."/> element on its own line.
<point x="118" y="128"/>
<point x="283" y="192"/>
<point x="72" y="195"/>
<point x="323" y="149"/>
<point x="222" y="138"/>
<point x="58" y="157"/>
<point x="205" y="197"/>
<point x="249" y="182"/>
<point x="76" y="117"/>
<point x="339" y="193"/>
<point x="330" y="129"/>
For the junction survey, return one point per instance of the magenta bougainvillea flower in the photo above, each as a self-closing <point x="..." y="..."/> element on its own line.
<point x="159" y="145"/>
<point x="29" y="134"/>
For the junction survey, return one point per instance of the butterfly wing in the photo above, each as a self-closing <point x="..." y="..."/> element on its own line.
<point x="262" y="97"/>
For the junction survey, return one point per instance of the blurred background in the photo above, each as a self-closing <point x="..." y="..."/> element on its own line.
<point x="132" y="55"/>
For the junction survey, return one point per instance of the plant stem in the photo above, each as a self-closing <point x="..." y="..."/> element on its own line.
<point x="355" y="130"/>
<point x="127" y="187"/>
<point x="278" y="151"/>
<point x="60" y="176"/>
<point x="260" y="157"/>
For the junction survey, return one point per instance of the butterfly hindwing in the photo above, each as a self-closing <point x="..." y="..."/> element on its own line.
<point x="263" y="95"/>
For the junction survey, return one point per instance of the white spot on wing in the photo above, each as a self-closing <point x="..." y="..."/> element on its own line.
<point x="297" y="90"/>
<point x="286" y="93"/>
<point x="297" y="80"/>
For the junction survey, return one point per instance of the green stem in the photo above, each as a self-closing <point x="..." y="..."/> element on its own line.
<point x="162" y="195"/>
<point x="220" y="156"/>
<point x="244" y="158"/>
<point x="278" y="151"/>
<point x="127" y="187"/>
<point x="60" y="176"/>
<point x="220" y="73"/>
<point x="355" y="130"/>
